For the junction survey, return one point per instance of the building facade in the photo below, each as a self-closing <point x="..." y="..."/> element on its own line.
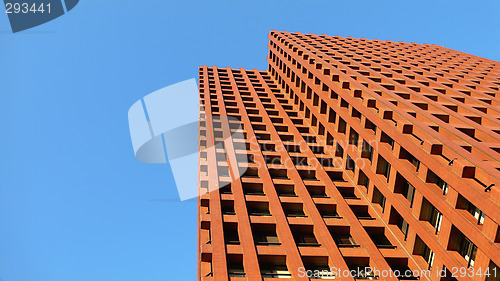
<point x="367" y="159"/>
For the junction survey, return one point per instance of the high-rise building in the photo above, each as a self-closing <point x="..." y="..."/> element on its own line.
<point x="363" y="154"/>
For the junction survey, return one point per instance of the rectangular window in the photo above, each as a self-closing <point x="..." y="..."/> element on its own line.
<point x="342" y="126"/>
<point x="332" y="116"/>
<point x="235" y="268"/>
<point x="429" y="213"/>
<point x="231" y="236"/>
<point x="378" y="198"/>
<point x="414" y="161"/>
<point x="377" y="234"/>
<point x="363" y="180"/>
<point x="227" y="207"/>
<point x="329" y="139"/>
<point x="308" y="240"/>
<point x="396" y="219"/>
<point x="277" y="272"/>
<point x="339" y="151"/>
<point x="258" y="208"/>
<point x="353" y="137"/>
<point x="304" y="237"/>
<point x="421" y="249"/>
<point x="367" y="151"/>
<point x="404" y="227"/>
<point x="402" y="186"/>
<point x="477" y="213"/>
<point x="328" y="211"/>
<point x="315" y="99"/>
<point x="463" y="245"/>
<point x="404" y="154"/>
<point x="293" y="210"/>
<point x="468" y="250"/>
<point x="350" y="165"/>
<point x="383" y="167"/>
<point x="409" y="193"/>
<point x="385" y="138"/>
<point x="344" y="240"/>
<point x="266" y="239"/>
<point x="342" y="236"/>
<point x="428" y="256"/>
<point x="443" y="185"/>
<point x="369" y="125"/>
<point x="323" y="107"/>
<point x="433" y="178"/>
<point x="264" y="234"/>
<point x="286" y="190"/>
<point x="436" y="218"/>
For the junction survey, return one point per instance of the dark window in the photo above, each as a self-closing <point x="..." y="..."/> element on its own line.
<point x="332" y="116"/>
<point x="363" y="180"/>
<point x="431" y="214"/>
<point x="463" y="245"/>
<point x="231" y="233"/>
<point x="468" y="250"/>
<point x="433" y="178"/>
<point x="285" y="190"/>
<point x="293" y="210"/>
<point x="350" y="164"/>
<point x="361" y="212"/>
<point x="328" y="211"/>
<point x="396" y="219"/>
<point x="465" y="204"/>
<point x="342" y="126"/>
<point x="258" y="208"/>
<point x="316" y="191"/>
<point x="408" y="156"/>
<point x="367" y="151"/>
<point x="339" y="151"/>
<point x="378" y="198"/>
<point x="421" y="249"/>
<point x="369" y="125"/>
<point x="477" y="213"/>
<point x="304" y="236"/>
<point x="235" y="266"/>
<point x="342" y="237"/>
<point x="385" y="138"/>
<point x="264" y="234"/>
<point x="383" y="167"/>
<point x="403" y="187"/>
<point x="253" y="188"/>
<point x="227" y="207"/>
<point x="353" y="137"/>
<point x="273" y="267"/>
<point x="378" y="237"/>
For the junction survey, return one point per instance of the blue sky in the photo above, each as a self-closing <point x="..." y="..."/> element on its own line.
<point x="75" y="205"/>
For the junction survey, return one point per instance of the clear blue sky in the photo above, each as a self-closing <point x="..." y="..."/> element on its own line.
<point x="75" y="205"/>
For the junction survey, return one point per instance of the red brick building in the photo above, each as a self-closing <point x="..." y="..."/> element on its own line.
<point x="363" y="153"/>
